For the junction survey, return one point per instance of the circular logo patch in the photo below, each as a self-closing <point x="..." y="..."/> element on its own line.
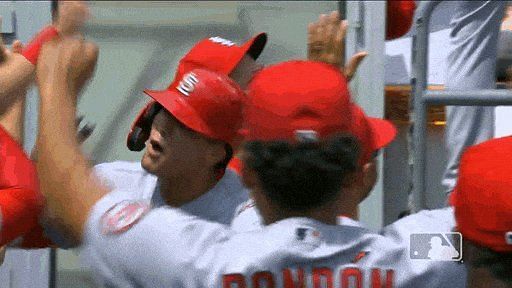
<point x="123" y="216"/>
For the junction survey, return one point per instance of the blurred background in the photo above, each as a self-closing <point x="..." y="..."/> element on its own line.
<point x="140" y="45"/>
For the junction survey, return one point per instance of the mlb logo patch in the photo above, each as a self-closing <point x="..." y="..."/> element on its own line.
<point x="308" y="235"/>
<point x="436" y="246"/>
<point x="508" y="238"/>
<point x="122" y="216"/>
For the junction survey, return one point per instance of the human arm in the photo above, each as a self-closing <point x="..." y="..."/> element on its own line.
<point x="66" y="176"/>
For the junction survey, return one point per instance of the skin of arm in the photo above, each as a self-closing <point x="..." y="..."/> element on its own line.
<point x="65" y="174"/>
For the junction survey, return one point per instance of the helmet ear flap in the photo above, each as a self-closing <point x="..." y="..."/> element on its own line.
<point x="141" y="127"/>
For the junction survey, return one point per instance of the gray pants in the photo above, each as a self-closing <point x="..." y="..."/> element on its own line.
<point x="471" y="65"/>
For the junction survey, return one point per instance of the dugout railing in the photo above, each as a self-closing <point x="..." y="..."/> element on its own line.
<point x="422" y="98"/>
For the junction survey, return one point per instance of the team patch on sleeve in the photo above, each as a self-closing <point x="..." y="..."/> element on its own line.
<point x="122" y="216"/>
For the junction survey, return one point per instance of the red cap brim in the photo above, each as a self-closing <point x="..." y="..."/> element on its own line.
<point x="383" y="132"/>
<point x="186" y="115"/>
<point x="255" y="45"/>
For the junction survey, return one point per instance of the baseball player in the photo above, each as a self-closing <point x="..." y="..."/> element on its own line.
<point x="300" y="157"/>
<point x="17" y="69"/>
<point x="471" y="65"/>
<point x="180" y="172"/>
<point x="482" y="201"/>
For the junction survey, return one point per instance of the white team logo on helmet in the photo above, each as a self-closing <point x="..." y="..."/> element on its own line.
<point x="123" y="216"/>
<point x="508" y="238"/>
<point x="188" y="84"/>
<point x="221" y="41"/>
<point x="306" y="135"/>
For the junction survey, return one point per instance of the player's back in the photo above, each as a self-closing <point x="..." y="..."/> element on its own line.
<point x="184" y="251"/>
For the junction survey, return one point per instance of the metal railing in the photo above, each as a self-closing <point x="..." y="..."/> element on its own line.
<point x="424" y="97"/>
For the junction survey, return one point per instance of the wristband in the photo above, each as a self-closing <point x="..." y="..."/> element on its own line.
<point x="32" y="50"/>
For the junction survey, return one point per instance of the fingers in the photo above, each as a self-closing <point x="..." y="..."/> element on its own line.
<point x="353" y="64"/>
<point x="72" y="16"/>
<point x="17" y="47"/>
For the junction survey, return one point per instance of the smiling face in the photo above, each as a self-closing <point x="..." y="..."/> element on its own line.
<point x="173" y="151"/>
<point x="245" y="71"/>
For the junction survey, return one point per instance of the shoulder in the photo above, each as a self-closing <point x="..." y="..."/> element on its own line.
<point x="247" y="218"/>
<point x="426" y="221"/>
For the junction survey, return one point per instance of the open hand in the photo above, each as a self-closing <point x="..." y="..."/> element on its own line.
<point x="326" y="43"/>
<point x="71" y="17"/>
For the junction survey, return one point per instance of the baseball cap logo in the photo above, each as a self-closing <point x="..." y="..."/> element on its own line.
<point x="188" y="84"/>
<point x="221" y="41"/>
<point x="306" y="135"/>
<point x="508" y="238"/>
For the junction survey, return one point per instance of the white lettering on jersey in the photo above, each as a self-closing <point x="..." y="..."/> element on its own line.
<point x="221" y="41"/>
<point x="188" y="84"/>
<point x="319" y="275"/>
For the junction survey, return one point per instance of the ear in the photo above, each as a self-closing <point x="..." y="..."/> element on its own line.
<point x="216" y="152"/>
<point x="369" y="174"/>
<point x="249" y="177"/>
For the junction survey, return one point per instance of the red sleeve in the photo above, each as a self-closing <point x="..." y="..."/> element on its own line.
<point x="20" y="200"/>
<point x="399" y="15"/>
<point x="31" y="51"/>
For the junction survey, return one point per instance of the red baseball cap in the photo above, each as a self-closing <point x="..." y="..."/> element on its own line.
<point x="219" y="55"/>
<point x="301" y="100"/>
<point x="483" y="196"/>
<point x="207" y="102"/>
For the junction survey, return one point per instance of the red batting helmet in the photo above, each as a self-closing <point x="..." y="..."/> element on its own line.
<point x="215" y="54"/>
<point x="207" y="102"/>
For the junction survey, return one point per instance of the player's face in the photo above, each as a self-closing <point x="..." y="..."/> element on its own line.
<point x="244" y="71"/>
<point x="172" y="150"/>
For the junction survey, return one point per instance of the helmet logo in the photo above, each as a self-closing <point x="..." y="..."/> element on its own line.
<point x="306" y="136"/>
<point x="187" y="84"/>
<point x="221" y="41"/>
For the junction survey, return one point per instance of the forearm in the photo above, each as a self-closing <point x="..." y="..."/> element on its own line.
<point x="16" y="74"/>
<point x="64" y="172"/>
<point x="12" y="119"/>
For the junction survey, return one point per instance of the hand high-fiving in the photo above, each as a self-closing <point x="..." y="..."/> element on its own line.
<point x="68" y="63"/>
<point x="326" y="43"/>
<point x="71" y="17"/>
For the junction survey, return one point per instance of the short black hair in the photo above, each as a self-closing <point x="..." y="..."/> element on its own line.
<point x="303" y="176"/>
<point x="500" y="264"/>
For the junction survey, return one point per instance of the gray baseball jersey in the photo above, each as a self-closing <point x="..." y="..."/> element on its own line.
<point x="428" y="222"/>
<point x="217" y="205"/>
<point x="128" y="244"/>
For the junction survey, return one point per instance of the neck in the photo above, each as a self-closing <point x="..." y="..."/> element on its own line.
<point x="483" y="278"/>
<point x="182" y="190"/>
<point x="326" y="214"/>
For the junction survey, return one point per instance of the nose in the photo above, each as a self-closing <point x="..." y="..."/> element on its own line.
<point x="155" y="135"/>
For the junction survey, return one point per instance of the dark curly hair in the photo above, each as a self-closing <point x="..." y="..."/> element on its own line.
<point x="300" y="177"/>
<point x="500" y="264"/>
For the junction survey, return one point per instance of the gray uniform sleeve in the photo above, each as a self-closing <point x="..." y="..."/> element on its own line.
<point x="128" y="245"/>
<point x="426" y="221"/>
